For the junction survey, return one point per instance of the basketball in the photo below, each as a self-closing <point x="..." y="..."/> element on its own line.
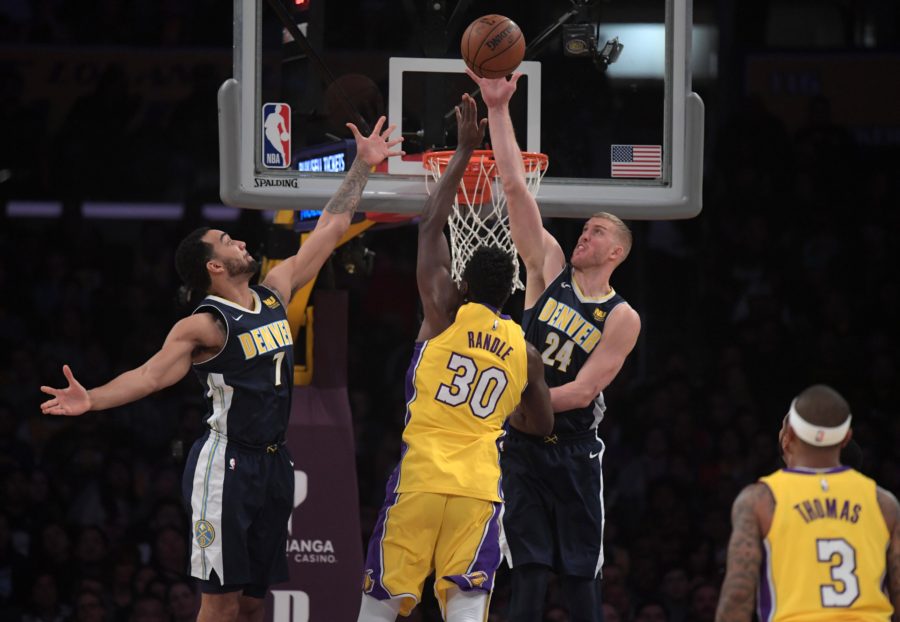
<point x="493" y="46"/>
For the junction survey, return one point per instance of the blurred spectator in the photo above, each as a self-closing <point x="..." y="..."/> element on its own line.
<point x="45" y="605"/>
<point x="90" y="607"/>
<point x="704" y="598"/>
<point x="149" y="608"/>
<point x="651" y="611"/>
<point x="183" y="601"/>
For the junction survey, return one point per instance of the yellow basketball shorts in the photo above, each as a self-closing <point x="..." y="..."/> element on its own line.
<point x="418" y="533"/>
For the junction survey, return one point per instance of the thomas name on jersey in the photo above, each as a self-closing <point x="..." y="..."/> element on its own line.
<point x="566" y="319"/>
<point x="494" y="345"/>
<point x="266" y="338"/>
<point x="815" y="509"/>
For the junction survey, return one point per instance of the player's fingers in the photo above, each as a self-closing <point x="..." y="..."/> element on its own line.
<point x="473" y="76"/>
<point x="515" y="77"/>
<point x="67" y="372"/>
<point x="354" y="130"/>
<point x="388" y="131"/>
<point x="483" y="124"/>
<point x="49" y="403"/>
<point x="394" y="142"/>
<point x="391" y="154"/>
<point x="51" y="391"/>
<point x="378" y="125"/>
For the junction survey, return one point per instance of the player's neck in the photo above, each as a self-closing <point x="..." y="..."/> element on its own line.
<point x="238" y="292"/>
<point x="593" y="282"/>
<point x="816" y="460"/>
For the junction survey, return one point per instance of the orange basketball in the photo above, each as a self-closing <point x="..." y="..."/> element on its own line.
<point x="493" y="46"/>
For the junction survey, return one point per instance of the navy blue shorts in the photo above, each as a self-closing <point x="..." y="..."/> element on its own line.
<point x="553" y="493"/>
<point x="240" y="501"/>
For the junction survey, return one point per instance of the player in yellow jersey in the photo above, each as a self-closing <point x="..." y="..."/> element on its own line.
<point x="816" y="541"/>
<point x="471" y="368"/>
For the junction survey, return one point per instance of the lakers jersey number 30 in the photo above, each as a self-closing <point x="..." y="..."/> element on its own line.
<point x="460" y="388"/>
<point x="825" y="551"/>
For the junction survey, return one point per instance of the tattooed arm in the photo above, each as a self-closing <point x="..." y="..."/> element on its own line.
<point x="750" y="518"/>
<point x="292" y="274"/>
<point x="891" y="511"/>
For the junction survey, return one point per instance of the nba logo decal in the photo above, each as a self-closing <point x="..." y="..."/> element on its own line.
<point x="276" y="142"/>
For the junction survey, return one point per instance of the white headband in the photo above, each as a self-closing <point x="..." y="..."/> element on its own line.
<point x="817" y="435"/>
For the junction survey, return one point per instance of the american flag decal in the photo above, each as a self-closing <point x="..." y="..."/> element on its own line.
<point x="636" y="161"/>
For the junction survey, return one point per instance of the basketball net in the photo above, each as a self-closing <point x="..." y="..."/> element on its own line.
<point x="479" y="216"/>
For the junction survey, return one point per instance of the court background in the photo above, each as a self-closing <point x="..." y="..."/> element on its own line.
<point x="109" y="154"/>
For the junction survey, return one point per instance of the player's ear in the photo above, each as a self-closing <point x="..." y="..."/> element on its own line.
<point x="785" y="438"/>
<point x="847" y="438"/>
<point x="214" y="266"/>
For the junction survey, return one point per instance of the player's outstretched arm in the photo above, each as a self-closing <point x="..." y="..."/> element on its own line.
<point x="890" y="509"/>
<point x="541" y="253"/>
<point x="163" y="369"/>
<point x="738" y="595"/>
<point x="619" y="338"/>
<point x="292" y="274"/>
<point x="440" y="297"/>
<point x="535" y="413"/>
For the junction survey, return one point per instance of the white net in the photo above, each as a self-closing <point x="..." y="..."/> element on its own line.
<point x="479" y="216"/>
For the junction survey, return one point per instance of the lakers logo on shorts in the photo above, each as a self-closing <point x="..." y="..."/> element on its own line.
<point x="477" y="578"/>
<point x="204" y="533"/>
<point x="368" y="583"/>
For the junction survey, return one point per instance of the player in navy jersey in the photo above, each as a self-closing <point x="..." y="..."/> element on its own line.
<point x="239" y="479"/>
<point x="553" y="486"/>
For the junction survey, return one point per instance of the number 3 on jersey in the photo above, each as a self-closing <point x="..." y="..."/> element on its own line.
<point x="482" y="391"/>
<point x="842" y="559"/>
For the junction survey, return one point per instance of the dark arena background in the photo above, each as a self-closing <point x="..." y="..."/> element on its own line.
<point x="109" y="154"/>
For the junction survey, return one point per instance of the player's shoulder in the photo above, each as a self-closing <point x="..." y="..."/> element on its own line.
<point x="755" y="497"/>
<point x="623" y="314"/>
<point x="890" y="507"/>
<point x="269" y="295"/>
<point x="204" y="327"/>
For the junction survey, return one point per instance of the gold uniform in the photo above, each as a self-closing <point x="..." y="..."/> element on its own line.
<point x="825" y="553"/>
<point x="443" y="502"/>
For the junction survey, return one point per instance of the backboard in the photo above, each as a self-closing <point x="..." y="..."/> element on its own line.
<point x="624" y="136"/>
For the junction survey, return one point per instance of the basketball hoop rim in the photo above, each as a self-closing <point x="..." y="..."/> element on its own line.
<point x="483" y="156"/>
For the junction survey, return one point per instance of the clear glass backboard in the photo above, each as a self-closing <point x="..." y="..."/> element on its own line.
<point x="606" y="94"/>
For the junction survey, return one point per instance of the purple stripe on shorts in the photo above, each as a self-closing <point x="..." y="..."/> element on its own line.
<point x="374" y="569"/>
<point x="480" y="575"/>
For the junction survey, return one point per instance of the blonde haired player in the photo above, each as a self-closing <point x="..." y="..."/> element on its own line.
<point x="816" y="541"/>
<point x="470" y="369"/>
<point x="554" y="512"/>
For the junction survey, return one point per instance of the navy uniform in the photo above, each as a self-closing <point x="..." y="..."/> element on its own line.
<point x="553" y="485"/>
<point x="239" y="479"/>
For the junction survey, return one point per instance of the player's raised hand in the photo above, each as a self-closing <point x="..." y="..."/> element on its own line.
<point x="71" y="401"/>
<point x="375" y="147"/>
<point x="469" y="130"/>
<point x="495" y="91"/>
